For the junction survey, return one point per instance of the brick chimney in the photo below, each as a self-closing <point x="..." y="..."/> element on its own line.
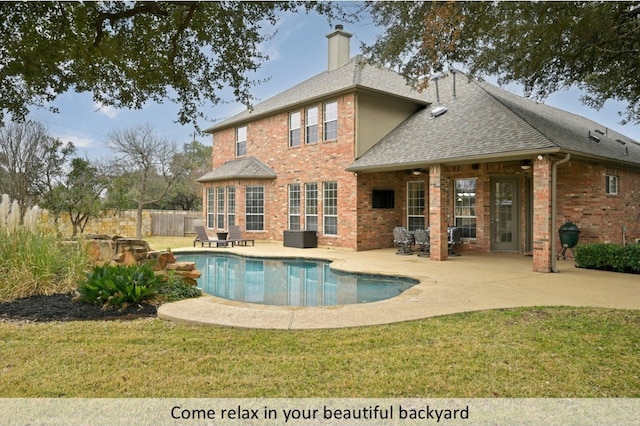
<point x="339" y="53"/>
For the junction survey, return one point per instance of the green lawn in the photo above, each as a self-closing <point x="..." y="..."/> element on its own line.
<point x="528" y="352"/>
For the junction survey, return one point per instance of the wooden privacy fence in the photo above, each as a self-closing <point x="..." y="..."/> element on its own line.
<point x="174" y="223"/>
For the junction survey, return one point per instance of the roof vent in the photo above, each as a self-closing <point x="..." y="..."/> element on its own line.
<point x="593" y="137"/>
<point x="437" y="112"/>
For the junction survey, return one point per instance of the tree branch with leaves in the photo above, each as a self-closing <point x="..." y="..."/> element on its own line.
<point x="130" y="53"/>
<point x="545" y="46"/>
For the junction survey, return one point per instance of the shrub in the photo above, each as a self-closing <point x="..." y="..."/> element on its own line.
<point x="116" y="287"/>
<point x="609" y="257"/>
<point x="175" y="288"/>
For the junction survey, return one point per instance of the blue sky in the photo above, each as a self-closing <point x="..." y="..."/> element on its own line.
<point x="297" y="52"/>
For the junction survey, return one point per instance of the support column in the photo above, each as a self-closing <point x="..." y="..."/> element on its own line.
<point x="542" y="226"/>
<point x="438" y="222"/>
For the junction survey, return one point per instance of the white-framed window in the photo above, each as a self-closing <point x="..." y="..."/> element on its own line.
<point x="241" y="141"/>
<point x="211" y="207"/>
<point x="294" y="206"/>
<point x="220" y="212"/>
<point x="231" y="205"/>
<point x="311" y="125"/>
<point x="611" y="185"/>
<point x="294" y="129"/>
<point x="465" y="206"/>
<point x="330" y="211"/>
<point x="254" y="208"/>
<point x="311" y="206"/>
<point x="415" y="205"/>
<point x="330" y="115"/>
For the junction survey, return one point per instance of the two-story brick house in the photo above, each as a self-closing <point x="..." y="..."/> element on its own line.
<point x="353" y="152"/>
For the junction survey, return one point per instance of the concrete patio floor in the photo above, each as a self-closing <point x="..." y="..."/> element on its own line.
<point x="470" y="282"/>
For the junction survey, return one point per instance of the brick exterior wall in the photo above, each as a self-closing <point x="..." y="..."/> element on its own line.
<point x="323" y="161"/>
<point x="375" y="226"/>
<point x="580" y="194"/>
<point x="600" y="217"/>
<point x="580" y="185"/>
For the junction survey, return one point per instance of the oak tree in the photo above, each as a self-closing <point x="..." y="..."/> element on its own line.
<point x="545" y="46"/>
<point x="128" y="53"/>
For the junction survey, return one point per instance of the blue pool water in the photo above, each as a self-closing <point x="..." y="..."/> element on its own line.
<point x="289" y="282"/>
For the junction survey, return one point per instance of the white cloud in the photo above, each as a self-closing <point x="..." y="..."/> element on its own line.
<point x="107" y="110"/>
<point x="78" y="141"/>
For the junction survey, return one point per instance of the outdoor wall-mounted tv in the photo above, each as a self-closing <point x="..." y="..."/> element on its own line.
<point x="383" y="198"/>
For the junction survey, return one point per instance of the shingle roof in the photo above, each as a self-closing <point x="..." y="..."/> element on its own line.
<point x="356" y="74"/>
<point x="243" y="168"/>
<point x="483" y="122"/>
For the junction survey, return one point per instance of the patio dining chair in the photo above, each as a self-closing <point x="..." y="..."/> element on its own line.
<point x="423" y="241"/>
<point x="402" y="239"/>
<point x="455" y="239"/>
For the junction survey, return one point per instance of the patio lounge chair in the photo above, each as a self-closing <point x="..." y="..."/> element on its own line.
<point x="455" y="239"/>
<point x="235" y="236"/>
<point x="204" y="238"/>
<point x="423" y="241"/>
<point x="402" y="239"/>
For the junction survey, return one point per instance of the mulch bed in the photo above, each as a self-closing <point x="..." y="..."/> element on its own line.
<point x="62" y="307"/>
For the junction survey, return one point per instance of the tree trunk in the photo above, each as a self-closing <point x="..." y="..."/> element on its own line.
<point x="139" y="220"/>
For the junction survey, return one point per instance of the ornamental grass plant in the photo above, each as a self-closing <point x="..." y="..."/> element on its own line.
<point x="32" y="260"/>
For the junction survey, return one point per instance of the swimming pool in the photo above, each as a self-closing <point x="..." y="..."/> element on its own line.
<point x="289" y="282"/>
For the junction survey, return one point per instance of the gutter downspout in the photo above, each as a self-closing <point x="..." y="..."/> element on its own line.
<point x="554" y="196"/>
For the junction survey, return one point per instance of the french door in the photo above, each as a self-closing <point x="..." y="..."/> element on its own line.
<point x="504" y="214"/>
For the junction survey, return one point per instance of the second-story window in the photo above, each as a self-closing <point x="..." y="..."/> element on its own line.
<point x="330" y="131"/>
<point x="241" y="141"/>
<point x="311" y="124"/>
<point x="294" y="129"/>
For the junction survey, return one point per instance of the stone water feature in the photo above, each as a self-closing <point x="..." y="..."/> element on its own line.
<point x="128" y="251"/>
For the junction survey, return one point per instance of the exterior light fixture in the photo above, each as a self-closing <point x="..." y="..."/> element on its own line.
<point x="525" y="164"/>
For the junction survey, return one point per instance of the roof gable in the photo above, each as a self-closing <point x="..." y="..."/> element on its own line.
<point x="242" y="168"/>
<point x="484" y="122"/>
<point x="356" y="74"/>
